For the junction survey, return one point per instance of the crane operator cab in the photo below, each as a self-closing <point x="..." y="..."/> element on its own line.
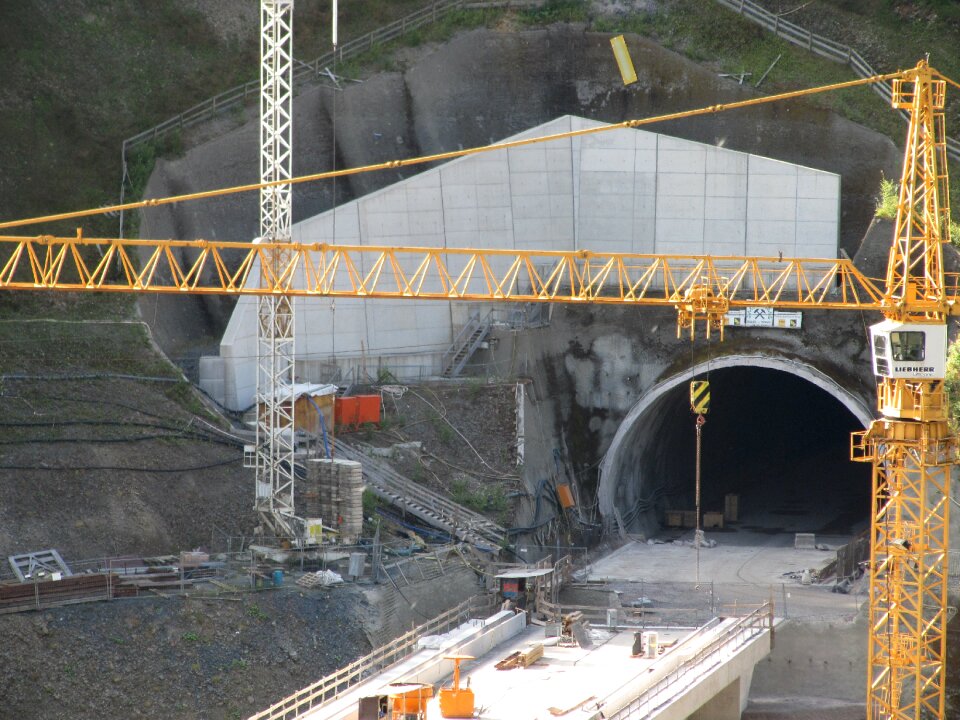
<point x="909" y="350"/>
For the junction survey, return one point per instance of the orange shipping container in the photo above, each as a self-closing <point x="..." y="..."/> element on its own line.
<point x="369" y="409"/>
<point x="355" y="410"/>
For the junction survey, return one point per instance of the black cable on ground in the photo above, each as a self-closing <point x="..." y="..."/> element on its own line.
<point x="33" y="468"/>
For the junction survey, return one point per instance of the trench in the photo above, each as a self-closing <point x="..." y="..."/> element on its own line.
<point x="776" y="437"/>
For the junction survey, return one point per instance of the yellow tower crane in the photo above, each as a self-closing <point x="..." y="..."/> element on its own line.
<point x="910" y="447"/>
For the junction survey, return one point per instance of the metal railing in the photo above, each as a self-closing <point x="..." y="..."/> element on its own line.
<point x="335" y="684"/>
<point x="727" y="641"/>
<point x="819" y="45"/>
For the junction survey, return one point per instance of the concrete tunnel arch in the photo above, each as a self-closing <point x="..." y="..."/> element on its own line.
<point x="621" y="482"/>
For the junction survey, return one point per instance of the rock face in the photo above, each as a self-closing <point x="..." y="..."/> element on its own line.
<point x="483" y="86"/>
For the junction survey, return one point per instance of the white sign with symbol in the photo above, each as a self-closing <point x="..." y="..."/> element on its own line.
<point x="735" y="318"/>
<point x="759" y="317"/>
<point x="789" y="320"/>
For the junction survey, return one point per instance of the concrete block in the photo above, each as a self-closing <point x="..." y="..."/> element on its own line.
<point x="493" y="195"/>
<point x="645" y="159"/>
<point x="814" y="184"/>
<point x="686" y="158"/>
<point x="772" y="186"/>
<point x="766" y="166"/>
<point x="420" y="199"/>
<point x="643" y="240"/>
<point x="459" y="172"/>
<point x="726" y="162"/>
<point x="561" y="206"/>
<point x="459" y="196"/>
<point x="528" y="183"/>
<point x="725" y="208"/>
<point x="387" y="224"/>
<point x="528" y="230"/>
<point x="777" y="209"/>
<point x="818" y="233"/>
<point x="713" y="520"/>
<point x="460" y="219"/>
<point x="726" y="185"/>
<point x="492" y="169"/>
<point x="676" y="184"/>
<point x="528" y="159"/>
<point x="426" y="227"/>
<point x="531" y="206"/>
<point x="770" y="232"/>
<point x="644" y="206"/>
<point x="559" y="157"/>
<point x="817" y="209"/>
<point x="610" y="205"/>
<point x="606" y="160"/>
<point x="560" y="183"/>
<point x="602" y="183"/>
<point x="605" y="230"/>
<point x="686" y="208"/>
<point x="677" y="232"/>
<point x="494" y="219"/>
<point x="729" y="233"/>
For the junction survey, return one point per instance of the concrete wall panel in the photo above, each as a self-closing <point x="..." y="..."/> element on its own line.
<point x="623" y="190"/>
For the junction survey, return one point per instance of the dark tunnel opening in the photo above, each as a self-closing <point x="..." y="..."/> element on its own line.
<point x="776" y="441"/>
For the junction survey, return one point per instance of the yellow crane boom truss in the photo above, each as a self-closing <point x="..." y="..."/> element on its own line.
<point x="233" y="268"/>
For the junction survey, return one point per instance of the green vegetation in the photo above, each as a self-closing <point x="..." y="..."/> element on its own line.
<point x="490" y="499"/>
<point x="887" y="199"/>
<point x="556" y="11"/>
<point x="257" y="613"/>
<point x="39" y="347"/>
<point x="190" y="637"/>
<point x="442" y="428"/>
<point x="370" y="504"/>
<point x="952" y="385"/>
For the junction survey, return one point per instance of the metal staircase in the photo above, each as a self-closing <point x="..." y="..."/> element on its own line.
<point x="423" y="503"/>
<point x="465" y="344"/>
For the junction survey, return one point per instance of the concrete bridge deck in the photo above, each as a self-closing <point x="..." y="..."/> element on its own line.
<point x="701" y="673"/>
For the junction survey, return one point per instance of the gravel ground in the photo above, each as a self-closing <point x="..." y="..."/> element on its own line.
<point x="177" y="657"/>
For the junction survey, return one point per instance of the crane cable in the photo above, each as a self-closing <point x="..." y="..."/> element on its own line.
<point x="698" y="533"/>
<point x="700" y="405"/>
<point x="452" y="154"/>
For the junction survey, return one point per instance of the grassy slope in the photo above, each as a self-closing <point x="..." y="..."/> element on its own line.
<point x="80" y="77"/>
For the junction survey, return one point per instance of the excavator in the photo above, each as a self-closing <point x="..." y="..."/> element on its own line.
<point x="910" y="446"/>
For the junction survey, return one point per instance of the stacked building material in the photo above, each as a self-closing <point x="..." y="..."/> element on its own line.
<point x="339" y="496"/>
<point x="311" y="489"/>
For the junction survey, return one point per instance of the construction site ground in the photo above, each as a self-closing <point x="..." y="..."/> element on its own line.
<point x="177" y="657"/>
<point x="744" y="568"/>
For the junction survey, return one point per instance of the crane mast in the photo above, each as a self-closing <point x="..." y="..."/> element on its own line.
<point x="275" y="318"/>
<point x="911" y="447"/>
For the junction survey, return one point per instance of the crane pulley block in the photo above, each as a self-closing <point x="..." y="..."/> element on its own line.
<point x="700" y="396"/>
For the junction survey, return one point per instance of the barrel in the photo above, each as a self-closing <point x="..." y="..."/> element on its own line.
<point x="278" y="578"/>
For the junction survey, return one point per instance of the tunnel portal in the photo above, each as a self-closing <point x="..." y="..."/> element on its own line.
<point x="777" y="437"/>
